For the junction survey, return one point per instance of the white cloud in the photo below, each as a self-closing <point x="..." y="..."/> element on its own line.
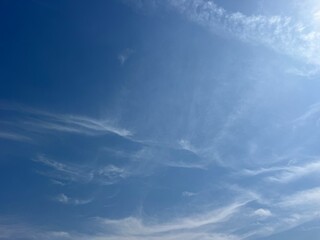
<point x="23" y="231"/>
<point x="306" y="199"/>
<point x="62" y="198"/>
<point x="189" y="226"/>
<point x="304" y="72"/>
<point x="254" y="172"/>
<point x="316" y="16"/>
<point x="286" y="173"/>
<point x="111" y="174"/>
<point x="67" y="172"/>
<point x="186" y="145"/>
<point x="19" y="231"/>
<point x="75" y="124"/>
<point x="56" y="182"/>
<point x="105" y="175"/>
<point x="201" y="226"/>
<point x="280" y="33"/>
<point x="168" y="157"/>
<point x="261" y="212"/>
<point x="217" y="224"/>
<point x="42" y="121"/>
<point x="294" y="172"/>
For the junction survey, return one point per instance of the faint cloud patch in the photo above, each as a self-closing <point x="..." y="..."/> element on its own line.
<point x="188" y="194"/>
<point x="124" y="55"/>
<point x="62" y="198"/>
<point x="186" y="145"/>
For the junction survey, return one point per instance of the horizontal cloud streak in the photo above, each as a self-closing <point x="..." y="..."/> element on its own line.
<point x="312" y="115"/>
<point x="286" y="174"/>
<point x="16" y="231"/>
<point x="292" y="173"/>
<point x="309" y="198"/>
<point x="41" y="121"/>
<point x="134" y="226"/>
<point x="63" y="198"/>
<point x="106" y="175"/>
<point x="14" y="137"/>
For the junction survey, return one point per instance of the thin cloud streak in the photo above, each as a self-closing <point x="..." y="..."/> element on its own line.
<point x="202" y="226"/>
<point x="292" y="173"/>
<point x="309" y="198"/>
<point x="312" y="114"/>
<point x="135" y="226"/>
<point x="19" y="231"/>
<point x="205" y="225"/>
<point x="208" y="226"/>
<point x="186" y="145"/>
<point x="41" y="121"/>
<point x="285" y="174"/>
<point x="15" y="137"/>
<point x="164" y="157"/>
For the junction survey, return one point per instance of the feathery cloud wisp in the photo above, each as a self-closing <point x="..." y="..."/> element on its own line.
<point x="42" y="121"/>
<point x="106" y="175"/>
<point x="282" y="34"/>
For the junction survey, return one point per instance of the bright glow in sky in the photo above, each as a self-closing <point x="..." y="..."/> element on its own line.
<point x="316" y="16"/>
<point x="160" y="119"/>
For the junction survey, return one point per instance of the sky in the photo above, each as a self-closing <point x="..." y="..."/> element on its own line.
<point x="159" y="119"/>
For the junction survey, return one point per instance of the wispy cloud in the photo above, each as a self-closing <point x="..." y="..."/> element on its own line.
<point x="19" y="231"/>
<point x="40" y="121"/>
<point x="9" y="230"/>
<point x="220" y="223"/>
<point x="311" y="115"/>
<point x="287" y="173"/>
<point x="305" y="72"/>
<point x="14" y="137"/>
<point x="309" y="198"/>
<point x="63" y="198"/>
<point x="63" y="171"/>
<point x="201" y="226"/>
<point x="170" y="157"/>
<point x="254" y="172"/>
<point x="186" y="145"/>
<point x="188" y="226"/>
<point x="14" y="227"/>
<point x="105" y="175"/>
<point x="124" y="55"/>
<point x="283" y="34"/>
<point x="293" y="210"/>
<point x="292" y="173"/>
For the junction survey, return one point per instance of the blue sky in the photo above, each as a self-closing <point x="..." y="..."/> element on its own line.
<point x="149" y="119"/>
